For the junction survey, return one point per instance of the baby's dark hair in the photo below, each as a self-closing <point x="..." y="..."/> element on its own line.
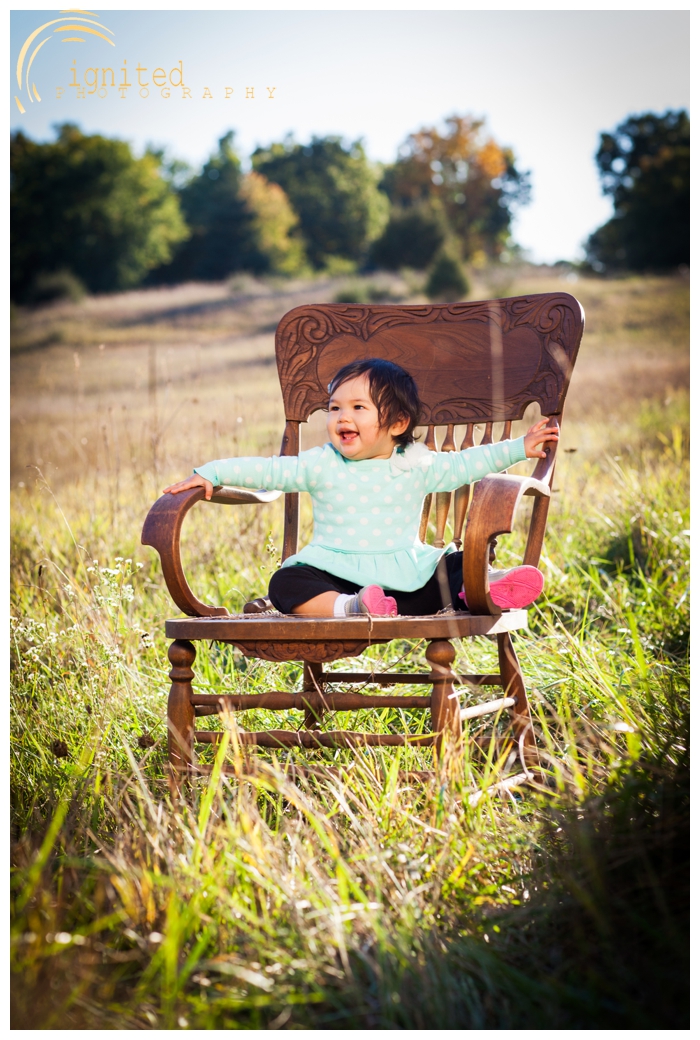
<point x="392" y="389"/>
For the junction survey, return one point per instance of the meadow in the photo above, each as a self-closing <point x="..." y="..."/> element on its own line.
<point x="354" y="899"/>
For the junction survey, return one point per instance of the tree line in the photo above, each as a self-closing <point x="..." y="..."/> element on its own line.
<point x="84" y="207"/>
<point x="86" y="211"/>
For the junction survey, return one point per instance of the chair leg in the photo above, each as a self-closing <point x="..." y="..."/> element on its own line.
<point x="313" y="685"/>
<point x="444" y="707"/>
<point x="181" y="654"/>
<point x="514" y="686"/>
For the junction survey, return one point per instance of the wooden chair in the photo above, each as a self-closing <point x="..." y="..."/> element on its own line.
<point x="474" y="363"/>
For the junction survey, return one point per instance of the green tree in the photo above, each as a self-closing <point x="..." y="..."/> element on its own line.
<point x="412" y="237"/>
<point x="221" y="238"/>
<point x="334" y="191"/>
<point x="274" y="224"/>
<point x="84" y="204"/>
<point x="644" y="166"/>
<point x="447" y="280"/>
<point x="466" y="174"/>
<point x="237" y="222"/>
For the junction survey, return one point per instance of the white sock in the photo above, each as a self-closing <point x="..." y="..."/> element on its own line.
<point x="339" y="605"/>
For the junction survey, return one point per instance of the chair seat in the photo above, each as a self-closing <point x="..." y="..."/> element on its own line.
<point x="286" y="637"/>
<point x="284" y="627"/>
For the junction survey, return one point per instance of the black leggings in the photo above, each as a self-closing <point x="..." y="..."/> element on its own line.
<point x="291" y="586"/>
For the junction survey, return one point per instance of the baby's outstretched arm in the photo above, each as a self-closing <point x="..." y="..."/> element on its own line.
<point x="279" y="473"/>
<point x="192" y="482"/>
<point x="536" y="435"/>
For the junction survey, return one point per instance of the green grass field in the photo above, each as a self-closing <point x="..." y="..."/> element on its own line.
<point x="362" y="901"/>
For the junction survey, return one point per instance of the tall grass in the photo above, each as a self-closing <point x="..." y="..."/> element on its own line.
<point x="354" y="898"/>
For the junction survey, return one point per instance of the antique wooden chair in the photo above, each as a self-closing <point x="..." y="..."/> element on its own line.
<point x="474" y="363"/>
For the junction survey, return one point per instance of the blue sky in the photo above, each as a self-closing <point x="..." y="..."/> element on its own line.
<point x="546" y="83"/>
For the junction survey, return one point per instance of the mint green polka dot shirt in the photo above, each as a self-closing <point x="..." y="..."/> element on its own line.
<point x="367" y="514"/>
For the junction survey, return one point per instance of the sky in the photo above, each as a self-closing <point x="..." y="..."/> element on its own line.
<point x="546" y="83"/>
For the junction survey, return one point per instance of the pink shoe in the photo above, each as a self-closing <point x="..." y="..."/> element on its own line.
<point x="518" y="587"/>
<point x="373" y="601"/>
<point x="514" y="588"/>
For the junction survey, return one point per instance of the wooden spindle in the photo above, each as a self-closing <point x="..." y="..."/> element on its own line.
<point x="449" y="442"/>
<point x="514" y="686"/>
<point x="442" y="508"/>
<point x="462" y="493"/>
<point x="181" y="655"/>
<point x="425" y="516"/>
<point x="488" y="439"/>
<point x="444" y="706"/>
<point x="423" y="530"/>
<point x="468" y="441"/>
<point x="443" y="498"/>
<point x="506" y="430"/>
<point x="290" y="446"/>
<point x="313" y="685"/>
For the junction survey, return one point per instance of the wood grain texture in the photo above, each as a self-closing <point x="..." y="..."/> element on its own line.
<point x="411" y="678"/>
<point x="358" y="631"/>
<point x="447" y="348"/>
<point x="279" y="700"/>
<point x="162" y="530"/>
<point x="275" y="738"/>
<point x="316" y="651"/>
<point x="444" y="704"/>
<point x="313" y="694"/>
<point x="443" y="498"/>
<point x="514" y="686"/>
<point x="290" y="540"/>
<point x="181" y="655"/>
<point x="463" y="493"/>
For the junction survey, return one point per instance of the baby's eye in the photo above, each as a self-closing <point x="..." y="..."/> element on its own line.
<point x="359" y="406"/>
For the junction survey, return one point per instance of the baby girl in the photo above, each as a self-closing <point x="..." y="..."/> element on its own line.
<point x="367" y="486"/>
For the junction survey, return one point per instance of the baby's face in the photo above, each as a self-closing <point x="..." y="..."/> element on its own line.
<point x="353" y="423"/>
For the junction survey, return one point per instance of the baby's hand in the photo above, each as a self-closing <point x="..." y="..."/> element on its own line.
<point x="537" y="435"/>
<point x="192" y="482"/>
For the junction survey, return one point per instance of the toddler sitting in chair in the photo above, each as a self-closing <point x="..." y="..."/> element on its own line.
<point x="367" y="486"/>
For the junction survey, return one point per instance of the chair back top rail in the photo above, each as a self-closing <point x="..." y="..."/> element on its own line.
<point x="472" y="362"/>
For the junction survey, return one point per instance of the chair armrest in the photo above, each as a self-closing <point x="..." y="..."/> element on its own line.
<point x="162" y="529"/>
<point x="493" y="510"/>
<point x="233" y="496"/>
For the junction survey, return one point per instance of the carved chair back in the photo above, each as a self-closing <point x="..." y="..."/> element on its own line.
<point x="473" y="363"/>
